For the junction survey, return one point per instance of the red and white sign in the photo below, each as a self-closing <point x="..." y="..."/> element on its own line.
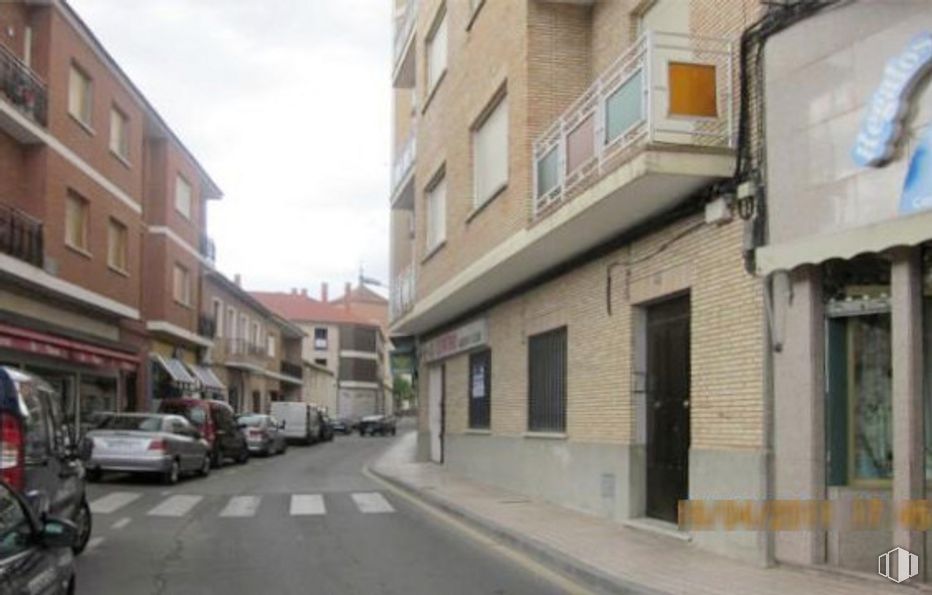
<point x="19" y="339"/>
<point x="467" y="337"/>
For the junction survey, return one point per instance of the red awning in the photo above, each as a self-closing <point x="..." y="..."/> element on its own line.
<point x="39" y="343"/>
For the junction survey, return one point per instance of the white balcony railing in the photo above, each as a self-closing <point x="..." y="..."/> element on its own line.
<point x="666" y="88"/>
<point x="401" y="294"/>
<point x="404" y="24"/>
<point x="404" y="161"/>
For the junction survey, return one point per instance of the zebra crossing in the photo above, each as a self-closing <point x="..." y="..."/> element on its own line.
<point x="238" y="506"/>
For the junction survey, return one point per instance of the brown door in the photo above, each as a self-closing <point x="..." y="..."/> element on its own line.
<point x="667" y="407"/>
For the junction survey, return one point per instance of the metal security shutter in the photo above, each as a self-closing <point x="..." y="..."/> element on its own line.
<point x="480" y="389"/>
<point x="547" y="381"/>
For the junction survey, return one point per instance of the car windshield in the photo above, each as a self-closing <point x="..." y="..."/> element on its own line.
<point x="252" y="420"/>
<point x="145" y="423"/>
<point x="195" y="414"/>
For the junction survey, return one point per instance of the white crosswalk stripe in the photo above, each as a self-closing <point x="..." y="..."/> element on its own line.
<point x="372" y="503"/>
<point x="179" y="505"/>
<point x="241" y="506"/>
<point x="307" y="504"/>
<point x="113" y="502"/>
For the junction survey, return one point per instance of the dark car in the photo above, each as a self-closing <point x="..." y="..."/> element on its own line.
<point x="382" y="425"/>
<point x="38" y="458"/>
<point x="217" y="424"/>
<point x="326" y="428"/>
<point x="264" y="433"/>
<point x="35" y="556"/>
<point x="342" y="425"/>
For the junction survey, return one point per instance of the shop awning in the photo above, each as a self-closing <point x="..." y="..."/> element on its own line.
<point x="207" y="379"/>
<point x="176" y="370"/>
<point x="905" y="231"/>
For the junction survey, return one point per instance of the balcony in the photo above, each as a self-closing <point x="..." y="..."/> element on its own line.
<point x="403" y="45"/>
<point x="294" y="370"/>
<point x="653" y="130"/>
<point x="207" y="326"/>
<point x="401" y="295"/>
<point x="208" y="249"/>
<point x="403" y="174"/>
<point x="21" y="236"/>
<point x="22" y="88"/>
<point x="667" y="90"/>
<point x="244" y="347"/>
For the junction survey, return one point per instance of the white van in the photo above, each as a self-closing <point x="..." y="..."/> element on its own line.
<point x="302" y="421"/>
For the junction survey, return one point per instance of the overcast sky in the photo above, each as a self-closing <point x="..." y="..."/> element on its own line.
<point x="286" y="103"/>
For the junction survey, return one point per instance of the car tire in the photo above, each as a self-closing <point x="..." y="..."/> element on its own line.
<point x="216" y="459"/>
<point x="204" y="471"/>
<point x="243" y="457"/>
<point x="173" y="474"/>
<point x="393" y="431"/>
<point x="84" y="521"/>
<point x="93" y="475"/>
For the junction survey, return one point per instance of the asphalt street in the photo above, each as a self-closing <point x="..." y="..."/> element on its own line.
<point x="307" y="521"/>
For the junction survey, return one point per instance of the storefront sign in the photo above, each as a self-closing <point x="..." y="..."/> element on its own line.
<point x="917" y="189"/>
<point x="882" y="123"/>
<point x="469" y="336"/>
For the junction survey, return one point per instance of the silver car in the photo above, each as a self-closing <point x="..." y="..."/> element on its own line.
<point x="264" y="433"/>
<point x="147" y="443"/>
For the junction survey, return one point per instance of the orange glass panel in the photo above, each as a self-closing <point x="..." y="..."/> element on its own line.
<point x="692" y="90"/>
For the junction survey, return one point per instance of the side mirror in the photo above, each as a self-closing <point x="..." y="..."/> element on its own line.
<point x="58" y="533"/>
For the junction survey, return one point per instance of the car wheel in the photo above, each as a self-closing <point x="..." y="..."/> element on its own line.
<point x="243" y="456"/>
<point x="393" y="431"/>
<point x="93" y="475"/>
<point x="173" y="474"/>
<point x="83" y="520"/>
<point x="205" y="467"/>
<point x="216" y="459"/>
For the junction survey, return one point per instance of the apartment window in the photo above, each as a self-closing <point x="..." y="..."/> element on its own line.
<point x="320" y="338"/>
<point x="183" y="197"/>
<point x="256" y="334"/>
<point x="437" y="49"/>
<point x="182" y="285"/>
<point x="547" y="381"/>
<point x="243" y="327"/>
<point x="270" y="340"/>
<point x="218" y="318"/>
<point x="119" y="133"/>
<point x="437" y="213"/>
<point x="116" y="245"/>
<point x="321" y="361"/>
<point x="231" y="323"/>
<point x="80" y="95"/>
<point x="76" y="221"/>
<point x="490" y="153"/>
<point x="480" y="389"/>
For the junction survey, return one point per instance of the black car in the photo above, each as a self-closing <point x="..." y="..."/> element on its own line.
<point x="38" y="458"/>
<point x="326" y="428"/>
<point x="342" y="425"/>
<point x="35" y="556"/>
<point x="382" y="425"/>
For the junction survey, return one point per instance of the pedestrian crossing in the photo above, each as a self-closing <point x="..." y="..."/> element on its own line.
<point x="238" y="506"/>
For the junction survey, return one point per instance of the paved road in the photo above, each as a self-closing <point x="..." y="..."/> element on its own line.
<point x="304" y="522"/>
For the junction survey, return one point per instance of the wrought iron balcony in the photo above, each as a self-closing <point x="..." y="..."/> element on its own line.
<point x="404" y="25"/>
<point x="666" y="89"/>
<point x="208" y="248"/>
<point x="21" y="236"/>
<point x="401" y="294"/>
<point x="291" y="369"/>
<point x="207" y="326"/>
<point x="22" y="87"/>
<point x="245" y="347"/>
<point x="401" y="171"/>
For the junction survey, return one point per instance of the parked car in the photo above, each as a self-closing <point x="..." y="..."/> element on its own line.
<point x="382" y="425"/>
<point x="326" y="427"/>
<point x="38" y="457"/>
<point x="342" y="425"/>
<point x="167" y="445"/>
<point x="302" y="422"/>
<point x="217" y="424"/>
<point x="35" y="555"/>
<point x="263" y="433"/>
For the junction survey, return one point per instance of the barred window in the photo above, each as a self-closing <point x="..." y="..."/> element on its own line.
<point x="547" y="381"/>
<point x="480" y="389"/>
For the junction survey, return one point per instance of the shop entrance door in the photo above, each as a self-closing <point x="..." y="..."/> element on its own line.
<point x="667" y="407"/>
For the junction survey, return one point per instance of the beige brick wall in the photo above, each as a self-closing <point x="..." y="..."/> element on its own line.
<point x="726" y="350"/>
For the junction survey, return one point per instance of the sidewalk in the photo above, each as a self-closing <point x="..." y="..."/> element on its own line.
<point x="602" y="553"/>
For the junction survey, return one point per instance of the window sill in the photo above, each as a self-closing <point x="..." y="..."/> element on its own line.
<point x="433" y="91"/>
<point x="477" y="432"/>
<point x="475" y="13"/>
<point x="481" y="207"/>
<point x="546" y="435"/>
<point x="118" y="270"/>
<point x="183" y="305"/>
<point x="121" y="159"/>
<point x="79" y="250"/>
<point x="180" y="212"/>
<point x="430" y="253"/>
<point x="84" y="125"/>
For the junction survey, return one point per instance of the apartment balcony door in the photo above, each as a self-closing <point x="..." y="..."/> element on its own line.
<point x="667" y="407"/>
<point x="435" y="390"/>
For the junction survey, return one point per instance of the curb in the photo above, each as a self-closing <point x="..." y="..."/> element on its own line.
<point x="571" y="567"/>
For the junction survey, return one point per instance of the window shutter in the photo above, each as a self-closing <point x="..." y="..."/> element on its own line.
<point x="490" y="153"/>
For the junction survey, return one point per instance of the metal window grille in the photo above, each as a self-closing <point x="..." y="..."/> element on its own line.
<point x="480" y="389"/>
<point x="547" y="381"/>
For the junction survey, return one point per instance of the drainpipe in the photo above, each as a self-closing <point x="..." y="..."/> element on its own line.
<point x="768" y="545"/>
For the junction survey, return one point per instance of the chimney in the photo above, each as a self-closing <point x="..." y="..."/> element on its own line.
<point x="304" y="291"/>
<point x="346" y="294"/>
<point x="294" y="291"/>
<point x="323" y="292"/>
<point x="238" y="279"/>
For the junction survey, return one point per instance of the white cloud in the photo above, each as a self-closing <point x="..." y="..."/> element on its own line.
<point x="287" y="104"/>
